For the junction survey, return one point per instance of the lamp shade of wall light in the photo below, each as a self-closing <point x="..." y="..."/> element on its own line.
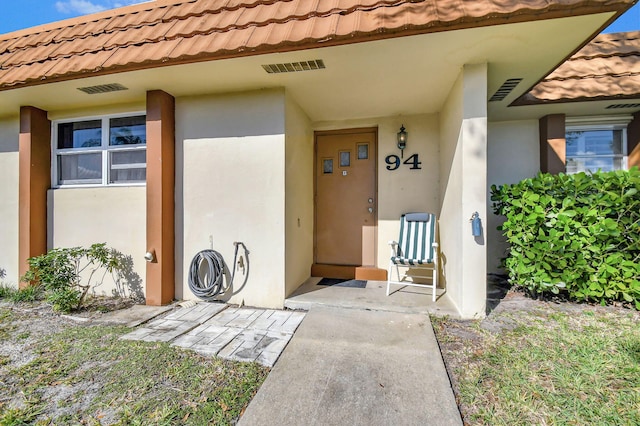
<point x="402" y="139"/>
<point x="150" y="256"/>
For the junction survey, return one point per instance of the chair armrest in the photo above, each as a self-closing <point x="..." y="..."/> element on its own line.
<point x="435" y="245"/>
<point x="393" y="243"/>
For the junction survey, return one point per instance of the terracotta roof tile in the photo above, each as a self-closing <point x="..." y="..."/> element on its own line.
<point x="168" y="32"/>
<point x="606" y="68"/>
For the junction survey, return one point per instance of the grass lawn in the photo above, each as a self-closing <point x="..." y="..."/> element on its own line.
<point x="538" y="363"/>
<point x="53" y="371"/>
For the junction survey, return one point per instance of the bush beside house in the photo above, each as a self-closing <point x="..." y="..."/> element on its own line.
<point x="574" y="234"/>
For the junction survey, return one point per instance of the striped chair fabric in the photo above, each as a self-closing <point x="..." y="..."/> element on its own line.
<point x="417" y="235"/>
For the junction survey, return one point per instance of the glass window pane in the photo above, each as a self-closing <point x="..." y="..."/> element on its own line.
<point x="80" y="168"/>
<point x="327" y="165"/>
<point x="345" y="159"/>
<point x="128" y="131"/>
<point x="128" y="166"/>
<point x="81" y="134"/>
<point x="594" y="142"/>
<point x="363" y="151"/>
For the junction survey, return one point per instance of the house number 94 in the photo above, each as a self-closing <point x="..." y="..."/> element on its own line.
<point x="393" y="162"/>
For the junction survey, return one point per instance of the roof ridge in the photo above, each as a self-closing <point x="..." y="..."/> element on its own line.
<point x="162" y="36"/>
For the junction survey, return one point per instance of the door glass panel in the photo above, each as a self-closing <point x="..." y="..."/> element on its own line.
<point x="327" y="165"/>
<point x="363" y="151"/>
<point x="345" y="159"/>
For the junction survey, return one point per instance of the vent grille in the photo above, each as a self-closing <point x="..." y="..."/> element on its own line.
<point x="316" y="64"/>
<point x="617" y="106"/>
<point x="504" y="90"/>
<point x="103" y="88"/>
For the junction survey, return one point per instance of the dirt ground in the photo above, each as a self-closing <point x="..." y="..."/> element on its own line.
<point x="27" y="325"/>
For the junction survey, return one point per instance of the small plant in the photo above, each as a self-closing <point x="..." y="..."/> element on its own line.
<point x="574" y="234"/>
<point x="60" y="272"/>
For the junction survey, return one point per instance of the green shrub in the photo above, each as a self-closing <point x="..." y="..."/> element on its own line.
<point x="27" y="294"/>
<point x="59" y="272"/>
<point x="578" y="234"/>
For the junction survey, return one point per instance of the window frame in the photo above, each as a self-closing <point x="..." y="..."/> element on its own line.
<point x="585" y="124"/>
<point x="104" y="150"/>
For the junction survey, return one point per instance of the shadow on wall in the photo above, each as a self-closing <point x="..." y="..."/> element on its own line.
<point x="3" y="273"/>
<point x="127" y="282"/>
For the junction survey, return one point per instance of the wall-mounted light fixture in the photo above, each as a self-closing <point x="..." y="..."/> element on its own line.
<point x="150" y="256"/>
<point x="402" y="140"/>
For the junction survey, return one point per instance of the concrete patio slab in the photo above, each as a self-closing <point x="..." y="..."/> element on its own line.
<point x="357" y="367"/>
<point x="414" y="300"/>
<point x="133" y="316"/>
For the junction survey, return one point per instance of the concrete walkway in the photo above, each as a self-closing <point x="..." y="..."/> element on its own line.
<point x="357" y="367"/>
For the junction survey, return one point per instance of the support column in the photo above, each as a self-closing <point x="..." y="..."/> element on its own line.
<point x="34" y="181"/>
<point x="160" y="279"/>
<point x="553" y="146"/>
<point x="463" y="190"/>
<point x="633" y="141"/>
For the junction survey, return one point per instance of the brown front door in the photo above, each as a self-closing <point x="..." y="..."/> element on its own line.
<point x="345" y="200"/>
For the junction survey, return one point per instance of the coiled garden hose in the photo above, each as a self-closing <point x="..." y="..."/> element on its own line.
<point x="209" y="285"/>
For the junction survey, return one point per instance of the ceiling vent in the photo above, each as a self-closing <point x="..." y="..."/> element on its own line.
<point x="103" y="88"/>
<point x="619" y="106"/>
<point x="505" y="89"/>
<point x="316" y="64"/>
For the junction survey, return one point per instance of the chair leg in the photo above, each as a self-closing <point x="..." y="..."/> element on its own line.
<point x="389" y="277"/>
<point x="434" y="280"/>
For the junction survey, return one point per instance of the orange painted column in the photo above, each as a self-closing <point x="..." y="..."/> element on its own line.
<point x="160" y="279"/>
<point x="633" y="141"/>
<point x="553" y="146"/>
<point x="34" y="181"/>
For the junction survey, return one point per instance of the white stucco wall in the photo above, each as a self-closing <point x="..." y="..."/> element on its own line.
<point x="402" y="190"/>
<point x="513" y="155"/>
<point x="9" y="135"/>
<point x="298" y="196"/>
<point x="230" y="186"/>
<point x="463" y="147"/>
<point x="112" y="215"/>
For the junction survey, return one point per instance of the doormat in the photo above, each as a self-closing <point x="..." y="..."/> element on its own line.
<point x="340" y="282"/>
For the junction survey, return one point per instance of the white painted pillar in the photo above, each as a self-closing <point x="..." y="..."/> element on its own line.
<point x="463" y="181"/>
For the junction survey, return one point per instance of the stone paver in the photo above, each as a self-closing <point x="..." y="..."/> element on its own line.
<point x="242" y="334"/>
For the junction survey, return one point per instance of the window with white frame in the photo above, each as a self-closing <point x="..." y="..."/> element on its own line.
<point x="108" y="150"/>
<point x="594" y="146"/>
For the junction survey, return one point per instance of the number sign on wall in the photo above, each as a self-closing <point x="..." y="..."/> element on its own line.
<point x="393" y="162"/>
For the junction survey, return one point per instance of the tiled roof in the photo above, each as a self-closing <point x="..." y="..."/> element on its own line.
<point x="167" y="32"/>
<point x="606" y="68"/>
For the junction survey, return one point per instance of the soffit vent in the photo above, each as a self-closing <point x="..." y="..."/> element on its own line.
<point x="103" y="88"/>
<point x="506" y="88"/>
<point x="620" y="106"/>
<point x="316" y="64"/>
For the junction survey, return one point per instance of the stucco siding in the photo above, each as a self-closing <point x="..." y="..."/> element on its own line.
<point x="9" y="133"/>
<point x="299" y="196"/>
<point x="115" y="216"/>
<point x="513" y="155"/>
<point x="230" y="187"/>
